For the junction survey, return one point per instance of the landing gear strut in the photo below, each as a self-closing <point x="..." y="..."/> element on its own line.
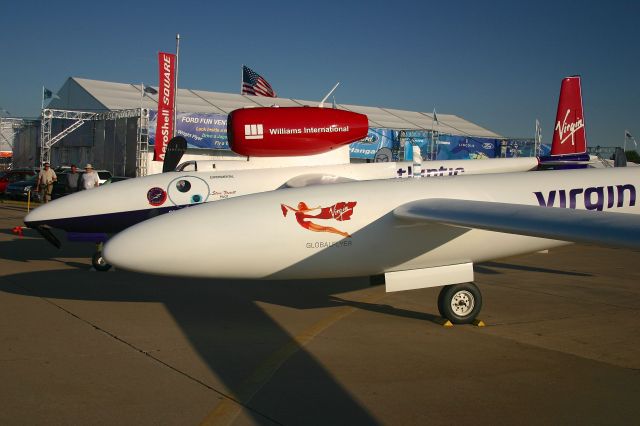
<point x="460" y="303"/>
<point x="98" y="261"/>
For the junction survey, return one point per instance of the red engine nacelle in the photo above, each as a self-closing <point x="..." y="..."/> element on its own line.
<point x="293" y="131"/>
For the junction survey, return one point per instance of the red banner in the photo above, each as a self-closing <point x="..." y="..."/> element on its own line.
<point x="164" y="123"/>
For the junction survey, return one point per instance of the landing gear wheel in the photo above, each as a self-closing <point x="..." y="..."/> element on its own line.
<point x="460" y="303"/>
<point x="99" y="263"/>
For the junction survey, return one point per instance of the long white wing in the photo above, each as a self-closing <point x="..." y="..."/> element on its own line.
<point x="581" y="226"/>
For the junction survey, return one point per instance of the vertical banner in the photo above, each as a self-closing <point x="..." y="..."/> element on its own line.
<point x="166" y="96"/>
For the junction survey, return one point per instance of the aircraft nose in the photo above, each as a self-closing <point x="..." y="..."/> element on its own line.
<point x="40" y="215"/>
<point x="128" y="250"/>
<point x="96" y="210"/>
<point x="184" y="242"/>
<point x="64" y="212"/>
<point x="149" y="247"/>
<point x="179" y="243"/>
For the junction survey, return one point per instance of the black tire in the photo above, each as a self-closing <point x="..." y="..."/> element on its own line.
<point x="99" y="263"/>
<point x="460" y="303"/>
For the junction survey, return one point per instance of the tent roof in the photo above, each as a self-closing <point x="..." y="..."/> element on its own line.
<point x="94" y="95"/>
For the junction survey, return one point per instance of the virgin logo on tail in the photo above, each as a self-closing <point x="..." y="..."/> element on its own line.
<point x="568" y="130"/>
<point x="569" y="120"/>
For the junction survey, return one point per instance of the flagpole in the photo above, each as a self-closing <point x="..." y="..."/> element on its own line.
<point x="433" y="139"/>
<point x="175" y="89"/>
<point x="538" y="143"/>
<point x="241" y="78"/>
<point x="625" y="141"/>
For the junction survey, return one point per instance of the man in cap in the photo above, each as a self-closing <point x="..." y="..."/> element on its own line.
<point x="90" y="178"/>
<point x="46" y="178"/>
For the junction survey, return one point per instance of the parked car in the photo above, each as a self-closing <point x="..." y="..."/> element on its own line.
<point x="103" y="176"/>
<point x="18" y="190"/>
<point x="12" y="176"/>
<point x="22" y="189"/>
<point x="60" y="186"/>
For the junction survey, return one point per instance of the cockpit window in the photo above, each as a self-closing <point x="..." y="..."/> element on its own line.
<point x="183" y="185"/>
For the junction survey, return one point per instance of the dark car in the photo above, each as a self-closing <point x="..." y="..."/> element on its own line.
<point x="19" y="189"/>
<point x="22" y="189"/>
<point x="60" y="186"/>
<point x="103" y="176"/>
<point x="12" y="176"/>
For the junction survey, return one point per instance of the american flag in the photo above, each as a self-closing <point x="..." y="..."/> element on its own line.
<point x="627" y="135"/>
<point x="254" y="84"/>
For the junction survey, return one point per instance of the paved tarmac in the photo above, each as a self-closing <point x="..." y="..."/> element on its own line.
<point x="561" y="345"/>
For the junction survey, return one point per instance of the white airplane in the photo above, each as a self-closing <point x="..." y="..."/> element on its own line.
<point x="112" y="208"/>
<point x="416" y="232"/>
<point x="90" y="215"/>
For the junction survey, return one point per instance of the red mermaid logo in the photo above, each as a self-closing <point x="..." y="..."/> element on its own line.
<point x="340" y="211"/>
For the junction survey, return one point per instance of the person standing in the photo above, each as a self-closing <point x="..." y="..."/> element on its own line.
<point x="90" y="178"/>
<point x="46" y="178"/>
<point x="73" y="180"/>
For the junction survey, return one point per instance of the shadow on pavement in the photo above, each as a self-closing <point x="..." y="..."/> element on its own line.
<point x="223" y="322"/>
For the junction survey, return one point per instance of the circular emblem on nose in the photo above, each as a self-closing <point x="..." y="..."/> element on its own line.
<point x="187" y="190"/>
<point x="156" y="196"/>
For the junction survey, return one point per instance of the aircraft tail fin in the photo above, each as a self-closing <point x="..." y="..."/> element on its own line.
<point x="568" y="133"/>
<point x="569" y="145"/>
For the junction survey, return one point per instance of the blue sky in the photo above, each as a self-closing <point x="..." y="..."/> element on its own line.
<point x="498" y="64"/>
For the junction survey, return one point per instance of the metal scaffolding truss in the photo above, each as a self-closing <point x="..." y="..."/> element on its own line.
<point x="142" y="148"/>
<point x="47" y="140"/>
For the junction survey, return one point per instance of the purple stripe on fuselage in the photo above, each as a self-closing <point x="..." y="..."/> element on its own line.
<point x="93" y="237"/>
<point x="103" y="223"/>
